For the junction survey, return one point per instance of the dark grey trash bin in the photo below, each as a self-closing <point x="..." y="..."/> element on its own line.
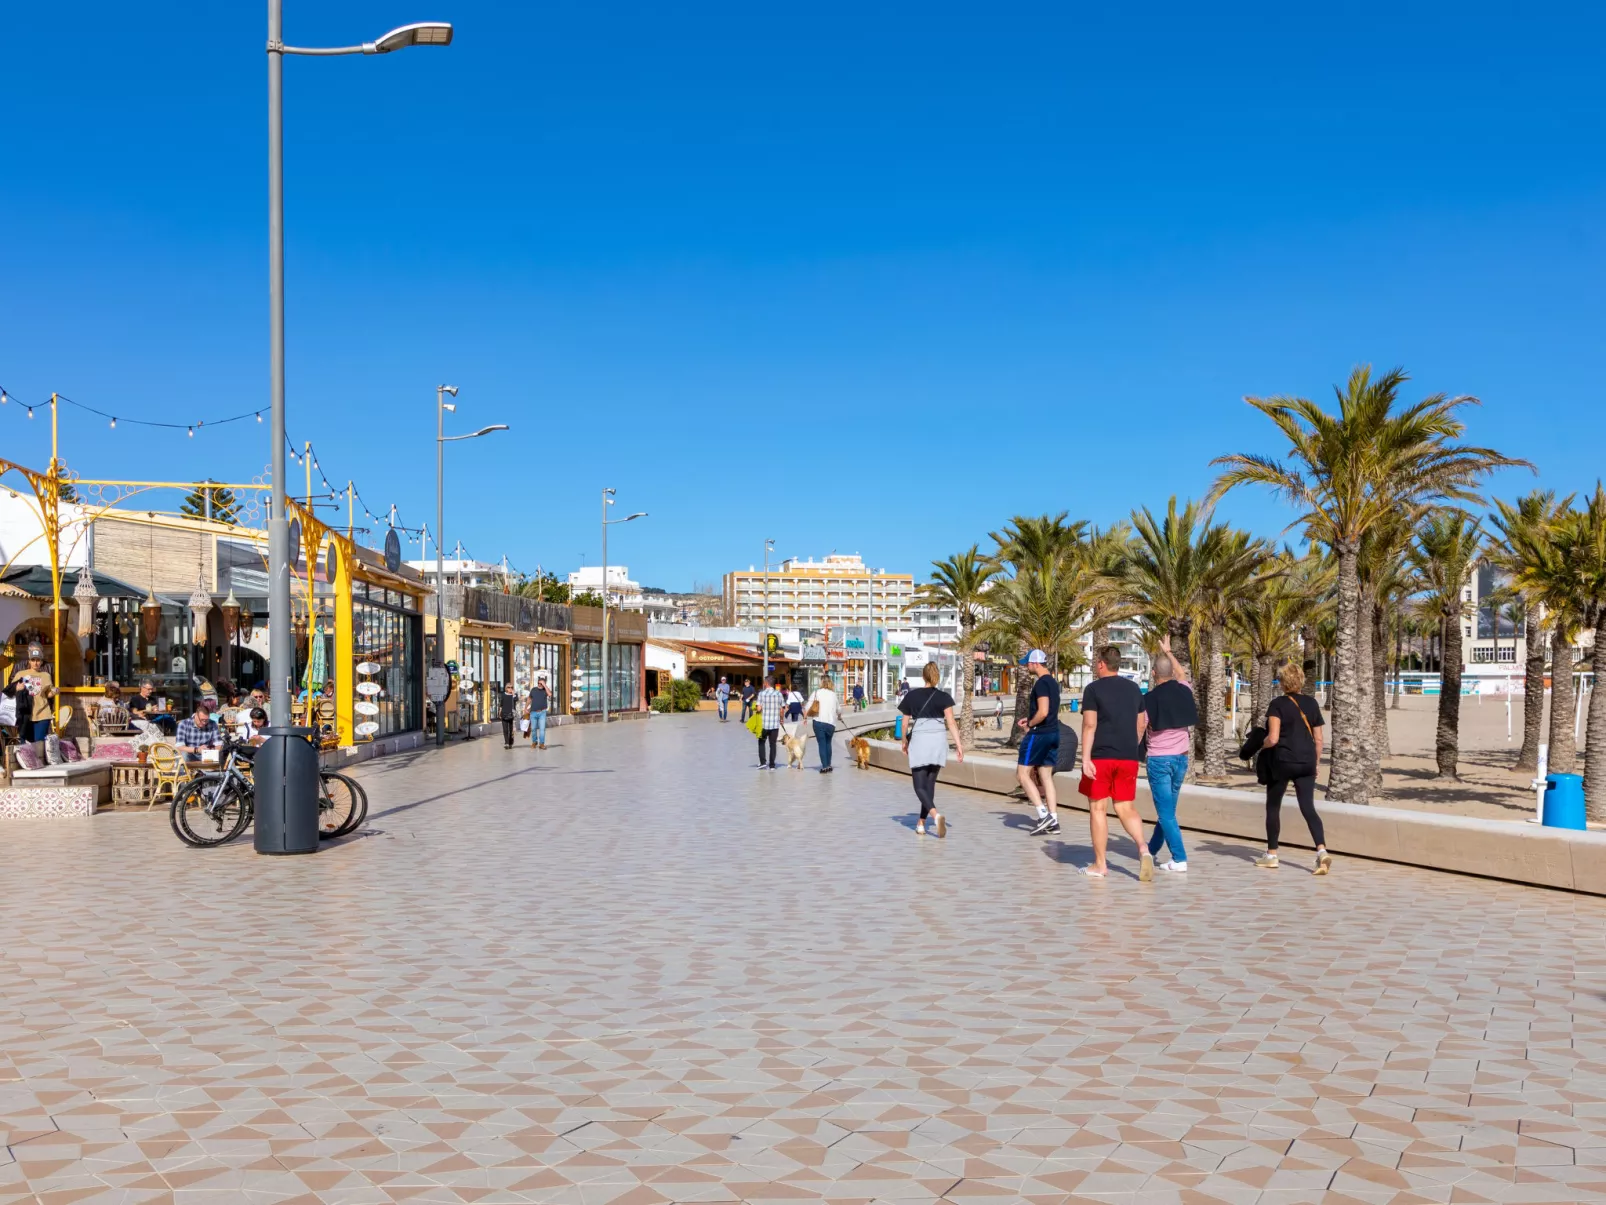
<point x="285" y="774"/>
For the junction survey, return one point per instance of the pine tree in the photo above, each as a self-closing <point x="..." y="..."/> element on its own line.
<point x="225" y="506"/>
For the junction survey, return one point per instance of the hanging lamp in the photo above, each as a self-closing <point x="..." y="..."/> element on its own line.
<point x="200" y="608"/>
<point x="87" y="598"/>
<point x="231" y="617"/>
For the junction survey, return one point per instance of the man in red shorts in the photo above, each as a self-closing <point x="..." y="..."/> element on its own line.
<point x="1112" y="726"/>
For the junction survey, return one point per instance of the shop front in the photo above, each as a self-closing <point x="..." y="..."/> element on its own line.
<point x="626" y="682"/>
<point x="492" y="638"/>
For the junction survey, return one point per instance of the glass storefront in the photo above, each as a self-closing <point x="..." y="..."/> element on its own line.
<point x="470" y="677"/>
<point x="387" y="636"/>
<point x="624" y="673"/>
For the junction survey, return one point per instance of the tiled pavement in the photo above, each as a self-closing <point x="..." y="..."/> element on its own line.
<point x="634" y="969"/>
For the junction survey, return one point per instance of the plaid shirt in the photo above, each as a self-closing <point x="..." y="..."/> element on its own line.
<point x="771" y="703"/>
<point x="197" y="736"/>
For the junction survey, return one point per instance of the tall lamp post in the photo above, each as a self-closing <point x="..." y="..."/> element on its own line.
<point x="296" y="801"/>
<point x="769" y="547"/>
<point x="607" y="501"/>
<point x="441" y="440"/>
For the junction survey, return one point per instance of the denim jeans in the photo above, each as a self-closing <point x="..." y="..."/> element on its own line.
<point x="537" y="727"/>
<point x="822" y="738"/>
<point x="724" y="709"/>
<point x="1165" y="784"/>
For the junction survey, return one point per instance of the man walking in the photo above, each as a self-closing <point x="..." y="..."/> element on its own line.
<point x="1112" y="725"/>
<point x="1170" y="713"/>
<point x="540" y="704"/>
<point x="747" y="698"/>
<point x="770" y="704"/>
<point x="507" y="710"/>
<point x="1040" y="747"/>
<point x="722" y="692"/>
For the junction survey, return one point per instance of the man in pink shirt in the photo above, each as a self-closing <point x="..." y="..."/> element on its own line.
<point x="1170" y="713"/>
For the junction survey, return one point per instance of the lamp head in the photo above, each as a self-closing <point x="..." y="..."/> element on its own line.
<point x="452" y="406"/>
<point x="419" y="33"/>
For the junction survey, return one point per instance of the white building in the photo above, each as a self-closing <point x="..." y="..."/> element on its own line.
<point x="828" y="593"/>
<point x="624" y="593"/>
<point x="463" y="571"/>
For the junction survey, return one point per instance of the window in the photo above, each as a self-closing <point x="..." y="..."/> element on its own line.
<point x="624" y="673"/>
<point x="388" y="637"/>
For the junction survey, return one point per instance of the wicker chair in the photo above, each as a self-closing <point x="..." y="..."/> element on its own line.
<point x="169" y="771"/>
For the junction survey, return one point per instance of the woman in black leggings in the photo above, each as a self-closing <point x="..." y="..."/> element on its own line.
<point x="1294" y="735"/>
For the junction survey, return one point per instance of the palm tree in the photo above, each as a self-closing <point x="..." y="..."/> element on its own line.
<point x="1267" y="624"/>
<point x="961" y="582"/>
<point x="1386" y="581"/>
<point x="1513" y="525"/>
<point x="1233" y="559"/>
<point x="1548" y="578"/>
<point x="1443" y="555"/>
<point x="1348" y="473"/>
<point x="1579" y="538"/>
<point x="1032" y="556"/>
<point x="1165" y="571"/>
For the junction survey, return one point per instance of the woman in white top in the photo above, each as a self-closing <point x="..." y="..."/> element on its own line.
<point x="925" y="740"/>
<point x="822" y="709"/>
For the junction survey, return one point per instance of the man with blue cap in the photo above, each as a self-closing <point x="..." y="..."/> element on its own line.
<point x="1040" y="747"/>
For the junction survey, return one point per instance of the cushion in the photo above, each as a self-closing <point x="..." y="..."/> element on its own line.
<point x="28" y="758"/>
<point x="116" y="750"/>
<point x="70" y="752"/>
<point x="53" y="750"/>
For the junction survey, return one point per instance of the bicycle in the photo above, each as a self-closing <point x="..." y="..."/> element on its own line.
<point x="214" y="808"/>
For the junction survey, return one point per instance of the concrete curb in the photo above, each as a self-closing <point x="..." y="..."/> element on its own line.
<point x="1494" y="849"/>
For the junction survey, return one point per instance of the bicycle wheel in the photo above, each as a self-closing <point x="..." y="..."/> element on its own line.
<point x="210" y="810"/>
<point x="342" y="805"/>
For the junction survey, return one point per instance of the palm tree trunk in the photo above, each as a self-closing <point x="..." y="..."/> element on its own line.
<point x="1212" y="723"/>
<point x="1371" y="760"/>
<point x="1399" y="645"/>
<point x="1023" y="695"/>
<point x="1533" y="693"/>
<point x="967" y="679"/>
<point x="1309" y="657"/>
<point x="1380" y="686"/>
<point x="1447" y="739"/>
<point x="1346" y="781"/>
<point x="1563" y="756"/>
<point x="1595" y="733"/>
<point x="1260" y="686"/>
<point x="1180" y="629"/>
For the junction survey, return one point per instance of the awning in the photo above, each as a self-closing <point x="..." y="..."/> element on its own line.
<point x="35" y="580"/>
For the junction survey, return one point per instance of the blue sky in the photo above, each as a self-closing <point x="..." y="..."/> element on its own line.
<point x="863" y="278"/>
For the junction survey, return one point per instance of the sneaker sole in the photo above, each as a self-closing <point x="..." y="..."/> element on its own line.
<point x="1146" y="869"/>
<point x="942" y="825"/>
<point x="1324" y="864"/>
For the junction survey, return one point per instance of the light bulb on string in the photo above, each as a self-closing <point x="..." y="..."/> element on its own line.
<point x="30" y="412"/>
<point x="259" y="416"/>
<point x="114" y="424"/>
<point x="192" y="432"/>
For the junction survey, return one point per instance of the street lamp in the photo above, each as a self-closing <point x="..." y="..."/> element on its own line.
<point x="769" y="547"/>
<point x="287" y="813"/>
<point x="607" y="501"/>
<point x="441" y="440"/>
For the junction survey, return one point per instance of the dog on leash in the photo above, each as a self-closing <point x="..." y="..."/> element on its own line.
<point x="794" y="752"/>
<point x="861" y="752"/>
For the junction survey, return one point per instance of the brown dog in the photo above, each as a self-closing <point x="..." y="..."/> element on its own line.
<point x="794" y="751"/>
<point x="861" y="752"/>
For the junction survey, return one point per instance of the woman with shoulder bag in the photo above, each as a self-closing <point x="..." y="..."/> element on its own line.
<point x="1294" y="727"/>
<point x="925" y="740"/>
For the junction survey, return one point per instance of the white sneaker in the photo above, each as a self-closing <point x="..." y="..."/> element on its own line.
<point x="1175" y="867"/>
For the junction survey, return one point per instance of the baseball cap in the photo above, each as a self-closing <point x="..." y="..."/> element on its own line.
<point x="1035" y="657"/>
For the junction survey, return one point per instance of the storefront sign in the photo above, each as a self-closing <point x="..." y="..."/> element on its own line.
<point x="437" y="683"/>
<point x="392" y="550"/>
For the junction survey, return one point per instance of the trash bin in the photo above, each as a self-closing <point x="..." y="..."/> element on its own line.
<point x="285" y="776"/>
<point x="897" y="728"/>
<point x="1076" y="704"/>
<point x="1564" y="801"/>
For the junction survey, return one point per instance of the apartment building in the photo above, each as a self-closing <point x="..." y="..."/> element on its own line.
<point x="832" y="591"/>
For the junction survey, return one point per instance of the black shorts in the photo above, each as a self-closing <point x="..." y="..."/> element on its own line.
<point x="1040" y="748"/>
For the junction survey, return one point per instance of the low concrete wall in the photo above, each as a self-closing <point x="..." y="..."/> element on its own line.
<point x="1495" y="849"/>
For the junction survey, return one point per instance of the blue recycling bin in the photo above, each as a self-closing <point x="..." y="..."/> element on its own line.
<point x="1076" y="704"/>
<point x="897" y="727"/>
<point x="1564" y="801"/>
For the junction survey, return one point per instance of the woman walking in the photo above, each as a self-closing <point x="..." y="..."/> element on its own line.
<point x="925" y="740"/>
<point x="1172" y="714"/>
<point x="822" y="709"/>
<point x="35" y="679"/>
<point x="1294" y="738"/>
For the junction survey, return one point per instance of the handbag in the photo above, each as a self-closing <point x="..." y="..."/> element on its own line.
<point x="814" y="707"/>
<point x="524" y="725"/>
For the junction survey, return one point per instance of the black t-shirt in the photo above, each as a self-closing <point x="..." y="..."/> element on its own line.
<point x="1296" y="745"/>
<point x="1117" y="701"/>
<point x="748" y="692"/>
<point x="1170" y="705"/>
<point x="926" y="703"/>
<point x="1046" y="687"/>
<point x="139" y="703"/>
<point x="538" y="698"/>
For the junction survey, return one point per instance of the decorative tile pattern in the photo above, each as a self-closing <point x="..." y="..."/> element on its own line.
<point x="46" y="803"/>
<point x="635" y="969"/>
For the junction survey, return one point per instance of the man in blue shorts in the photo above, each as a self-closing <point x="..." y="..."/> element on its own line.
<point x="1040" y="747"/>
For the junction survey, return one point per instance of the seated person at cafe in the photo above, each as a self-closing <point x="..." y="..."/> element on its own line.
<point x="112" y="699"/>
<point x="258" y="732"/>
<point x="259" y="696"/>
<point x="144" y="701"/>
<point x="199" y="731"/>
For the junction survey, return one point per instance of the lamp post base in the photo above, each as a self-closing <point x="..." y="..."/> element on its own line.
<point x="285" y="774"/>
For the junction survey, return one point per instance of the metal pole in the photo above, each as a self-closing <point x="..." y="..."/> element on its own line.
<point x="765" y="638"/>
<point x="280" y="650"/>
<point x="604" y="606"/>
<point x="440" y="555"/>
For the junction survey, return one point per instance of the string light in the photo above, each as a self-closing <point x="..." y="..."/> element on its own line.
<point x="114" y="424"/>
